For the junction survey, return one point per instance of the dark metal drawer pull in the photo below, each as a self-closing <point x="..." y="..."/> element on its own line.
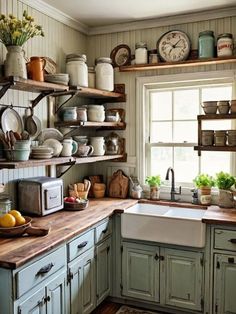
<point x="83" y="244"/>
<point x="105" y="230"/>
<point x="232" y="241"/>
<point x="231" y="260"/>
<point x="45" y="269"/>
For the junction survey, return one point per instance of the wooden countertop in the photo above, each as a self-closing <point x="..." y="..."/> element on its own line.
<point x="15" y="252"/>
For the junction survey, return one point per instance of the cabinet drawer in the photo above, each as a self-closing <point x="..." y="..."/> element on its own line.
<point x="80" y="244"/>
<point x="103" y="230"/>
<point x="38" y="271"/>
<point x="225" y="239"/>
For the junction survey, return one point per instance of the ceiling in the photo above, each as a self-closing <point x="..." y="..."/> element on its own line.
<point x="95" y="13"/>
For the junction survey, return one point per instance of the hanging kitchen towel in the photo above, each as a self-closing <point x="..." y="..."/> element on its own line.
<point x="119" y="185"/>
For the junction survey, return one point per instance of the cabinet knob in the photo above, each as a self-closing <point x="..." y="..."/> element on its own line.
<point x="232" y="241"/>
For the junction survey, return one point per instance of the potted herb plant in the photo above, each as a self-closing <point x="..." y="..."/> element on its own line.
<point x="154" y="183"/>
<point x="204" y="183"/>
<point x="225" y="182"/>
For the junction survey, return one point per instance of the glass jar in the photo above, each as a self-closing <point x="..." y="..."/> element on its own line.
<point x="206" y="44"/>
<point x="91" y="77"/>
<point x="225" y="45"/>
<point x="141" y="53"/>
<point x="77" y="69"/>
<point x="5" y="204"/>
<point x="104" y="74"/>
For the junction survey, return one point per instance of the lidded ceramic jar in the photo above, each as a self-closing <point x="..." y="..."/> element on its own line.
<point x="96" y="113"/>
<point x="141" y="53"/>
<point x="225" y="45"/>
<point x="77" y="69"/>
<point x="104" y="74"/>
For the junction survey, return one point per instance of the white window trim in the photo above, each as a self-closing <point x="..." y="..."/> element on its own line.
<point x="147" y="82"/>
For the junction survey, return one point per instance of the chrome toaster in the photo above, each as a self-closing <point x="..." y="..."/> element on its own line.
<point x="40" y="195"/>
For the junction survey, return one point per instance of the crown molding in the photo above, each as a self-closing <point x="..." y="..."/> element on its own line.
<point x="57" y="15"/>
<point x="164" y="21"/>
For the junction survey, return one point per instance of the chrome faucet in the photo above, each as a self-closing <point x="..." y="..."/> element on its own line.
<point x="172" y="191"/>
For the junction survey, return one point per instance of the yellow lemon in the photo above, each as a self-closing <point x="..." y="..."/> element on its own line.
<point x="14" y="213"/>
<point x="7" y="221"/>
<point x="20" y="221"/>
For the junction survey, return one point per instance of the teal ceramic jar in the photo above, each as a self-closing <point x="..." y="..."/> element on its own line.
<point x="206" y="44"/>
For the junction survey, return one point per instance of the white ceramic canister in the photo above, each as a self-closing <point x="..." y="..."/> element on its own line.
<point x="225" y="45"/>
<point x="96" y="113"/>
<point x="104" y="74"/>
<point x="77" y="69"/>
<point x="98" y="143"/>
<point x="69" y="148"/>
<point x="141" y="53"/>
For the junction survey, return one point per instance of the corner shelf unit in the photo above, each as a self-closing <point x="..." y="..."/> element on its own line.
<point x="50" y="89"/>
<point x="168" y="65"/>
<point x="205" y="117"/>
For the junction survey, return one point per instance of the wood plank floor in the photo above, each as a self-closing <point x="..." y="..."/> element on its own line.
<point x="107" y="308"/>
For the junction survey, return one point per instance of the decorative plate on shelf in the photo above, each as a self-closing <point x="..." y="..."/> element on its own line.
<point x="49" y="133"/>
<point x="120" y="55"/>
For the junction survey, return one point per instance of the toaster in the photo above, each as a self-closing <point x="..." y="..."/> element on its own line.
<point x="40" y="195"/>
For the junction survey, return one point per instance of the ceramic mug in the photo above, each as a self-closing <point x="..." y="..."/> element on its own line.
<point x="69" y="148"/>
<point x="98" y="144"/>
<point x="84" y="150"/>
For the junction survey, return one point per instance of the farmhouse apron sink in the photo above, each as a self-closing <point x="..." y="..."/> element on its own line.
<point x="164" y="224"/>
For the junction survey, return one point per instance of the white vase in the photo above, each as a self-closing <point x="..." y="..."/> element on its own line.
<point x="15" y="63"/>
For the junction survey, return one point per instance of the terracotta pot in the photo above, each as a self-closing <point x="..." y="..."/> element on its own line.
<point x="205" y="195"/>
<point x="154" y="193"/>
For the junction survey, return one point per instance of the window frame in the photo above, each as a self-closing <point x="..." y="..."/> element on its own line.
<point x="143" y="87"/>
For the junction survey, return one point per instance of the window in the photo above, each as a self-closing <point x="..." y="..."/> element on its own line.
<point x="170" y="129"/>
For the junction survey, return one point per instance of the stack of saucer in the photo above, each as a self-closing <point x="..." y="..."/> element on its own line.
<point x="58" y="78"/>
<point x="41" y="152"/>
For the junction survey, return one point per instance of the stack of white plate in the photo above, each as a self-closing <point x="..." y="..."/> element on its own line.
<point x="58" y="78"/>
<point x="41" y="152"/>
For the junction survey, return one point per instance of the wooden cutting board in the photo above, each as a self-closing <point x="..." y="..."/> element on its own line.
<point x="119" y="185"/>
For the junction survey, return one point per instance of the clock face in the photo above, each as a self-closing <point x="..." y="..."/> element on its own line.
<point x="121" y="55"/>
<point x="173" y="46"/>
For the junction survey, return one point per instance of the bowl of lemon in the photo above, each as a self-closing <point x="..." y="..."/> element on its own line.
<point x="14" y="224"/>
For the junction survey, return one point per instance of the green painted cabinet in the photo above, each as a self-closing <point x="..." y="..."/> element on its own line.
<point x="172" y="277"/>
<point x="182" y="278"/>
<point x="140" y="271"/>
<point x="224" y="284"/>
<point x="49" y="299"/>
<point x="103" y="270"/>
<point x="81" y="283"/>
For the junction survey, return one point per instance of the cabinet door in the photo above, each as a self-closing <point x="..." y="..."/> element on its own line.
<point x="103" y="270"/>
<point x="140" y="271"/>
<point x="55" y="295"/>
<point x="82" y="284"/>
<point x="224" y="284"/>
<point x="182" y="278"/>
<point x="35" y="304"/>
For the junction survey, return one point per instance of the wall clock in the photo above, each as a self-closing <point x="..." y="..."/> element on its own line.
<point x="173" y="46"/>
<point x="120" y="55"/>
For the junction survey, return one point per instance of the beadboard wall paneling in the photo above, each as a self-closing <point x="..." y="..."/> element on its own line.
<point x="59" y="40"/>
<point x="102" y="45"/>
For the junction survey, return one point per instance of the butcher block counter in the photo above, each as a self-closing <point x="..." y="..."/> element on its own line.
<point x="64" y="225"/>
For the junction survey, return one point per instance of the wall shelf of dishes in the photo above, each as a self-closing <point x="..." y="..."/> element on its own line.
<point x="187" y="63"/>
<point x="45" y="89"/>
<point x="216" y="140"/>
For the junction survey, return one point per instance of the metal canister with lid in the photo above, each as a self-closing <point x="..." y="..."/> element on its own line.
<point x="141" y="53"/>
<point x="225" y="45"/>
<point x="5" y="204"/>
<point x="104" y="74"/>
<point x="206" y="44"/>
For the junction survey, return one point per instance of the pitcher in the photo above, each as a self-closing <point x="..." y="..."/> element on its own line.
<point x="35" y="68"/>
<point x="69" y="148"/>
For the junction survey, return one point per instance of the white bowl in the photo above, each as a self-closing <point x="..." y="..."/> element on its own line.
<point x="55" y="145"/>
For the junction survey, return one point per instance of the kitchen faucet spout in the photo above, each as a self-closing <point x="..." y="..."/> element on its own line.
<point x="173" y="190"/>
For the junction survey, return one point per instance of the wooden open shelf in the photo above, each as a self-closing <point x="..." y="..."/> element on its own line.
<point x="89" y="124"/>
<point x="217" y="116"/>
<point x="58" y="161"/>
<point x="216" y="148"/>
<point x="167" y="65"/>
